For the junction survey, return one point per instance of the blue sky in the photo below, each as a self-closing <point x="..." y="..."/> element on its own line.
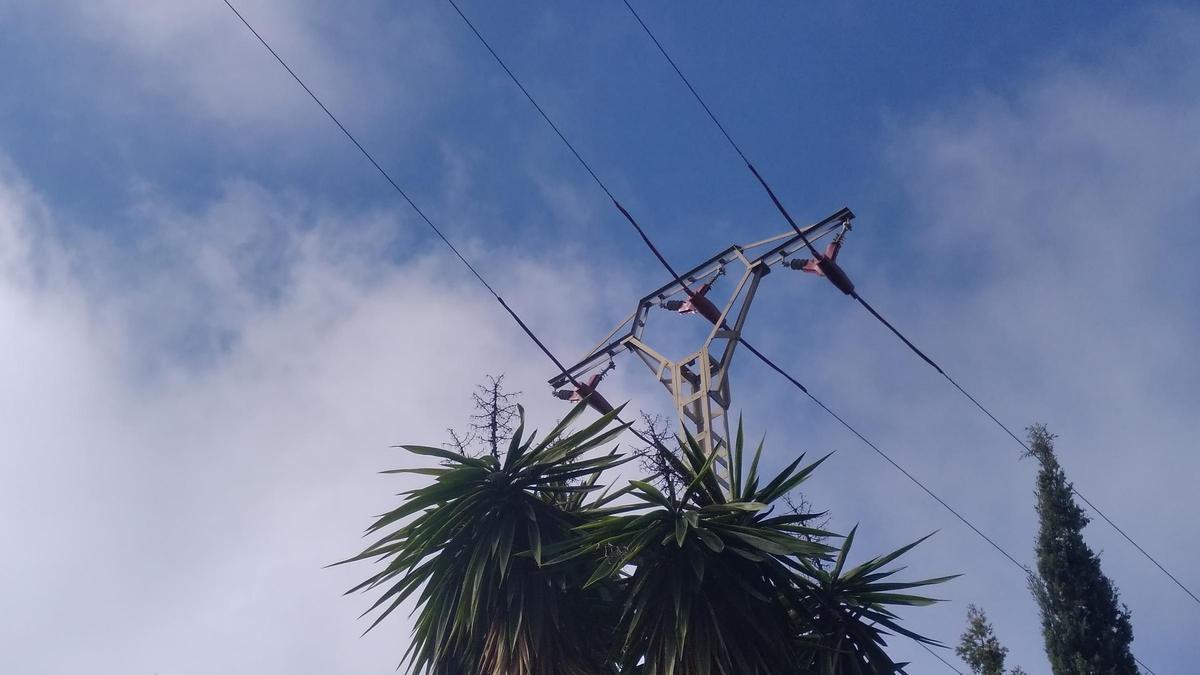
<point x="217" y="316"/>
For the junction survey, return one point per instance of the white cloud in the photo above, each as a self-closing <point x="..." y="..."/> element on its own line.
<point x="196" y="58"/>
<point x="173" y="514"/>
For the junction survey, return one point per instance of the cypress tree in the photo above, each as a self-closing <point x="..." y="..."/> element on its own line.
<point x="1086" y="629"/>
<point x="978" y="646"/>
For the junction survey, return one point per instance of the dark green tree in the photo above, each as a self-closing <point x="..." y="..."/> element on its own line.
<point x="978" y="646"/>
<point x="1085" y="627"/>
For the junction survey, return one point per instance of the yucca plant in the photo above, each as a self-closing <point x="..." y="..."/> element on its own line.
<point x="846" y="615"/>
<point x="468" y="549"/>
<point x="705" y="591"/>
<point x="516" y="566"/>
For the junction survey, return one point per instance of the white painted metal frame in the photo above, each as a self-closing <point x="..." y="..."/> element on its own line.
<point x="699" y="382"/>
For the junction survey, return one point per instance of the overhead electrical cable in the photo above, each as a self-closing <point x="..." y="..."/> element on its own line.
<point x="771" y="364"/>
<point x="762" y="357"/>
<point x="512" y="313"/>
<point x="441" y="235"/>
<point x="654" y="249"/>
<point x="671" y="269"/>
<point x="854" y="294"/>
<point x="938" y="656"/>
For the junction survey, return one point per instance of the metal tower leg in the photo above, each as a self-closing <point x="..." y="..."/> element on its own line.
<point x="699" y="383"/>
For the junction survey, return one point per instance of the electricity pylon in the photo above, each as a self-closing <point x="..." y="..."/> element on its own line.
<point x="699" y="382"/>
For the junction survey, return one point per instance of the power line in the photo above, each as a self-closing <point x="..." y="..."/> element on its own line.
<point x="871" y="309"/>
<point x="1075" y="491"/>
<point x="524" y="327"/>
<point x="654" y="249"/>
<point x="562" y="137"/>
<point x="520" y="322"/>
<point x="796" y="383"/>
<point x="771" y="364"/>
<point x="396" y="186"/>
<point x="938" y="657"/>
<point x="762" y="357"/>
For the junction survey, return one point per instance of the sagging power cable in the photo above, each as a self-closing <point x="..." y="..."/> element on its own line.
<point x="512" y="313"/>
<point x="826" y="265"/>
<point x="771" y="364"/>
<point x="671" y="269"/>
<point x="838" y="277"/>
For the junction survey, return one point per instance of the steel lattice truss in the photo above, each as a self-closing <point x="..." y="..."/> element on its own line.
<point x="699" y="382"/>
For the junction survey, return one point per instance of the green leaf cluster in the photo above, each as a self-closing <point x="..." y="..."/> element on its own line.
<point x="526" y="566"/>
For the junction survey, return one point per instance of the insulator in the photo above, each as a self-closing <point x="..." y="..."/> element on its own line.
<point x="599" y="403"/>
<point x="834" y="273"/>
<point x="705" y="308"/>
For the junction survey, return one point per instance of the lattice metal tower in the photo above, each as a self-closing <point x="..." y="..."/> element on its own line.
<point x="699" y="382"/>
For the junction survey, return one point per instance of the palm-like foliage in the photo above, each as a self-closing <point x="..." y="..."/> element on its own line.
<point x="515" y="567"/>
<point x="707" y="593"/>
<point x="471" y="556"/>
<point x="847" y="612"/>
<point x="720" y="585"/>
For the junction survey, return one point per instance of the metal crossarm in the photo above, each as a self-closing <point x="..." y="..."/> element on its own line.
<point x="635" y="324"/>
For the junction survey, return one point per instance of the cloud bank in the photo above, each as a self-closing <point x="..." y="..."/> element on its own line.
<point x="192" y="428"/>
